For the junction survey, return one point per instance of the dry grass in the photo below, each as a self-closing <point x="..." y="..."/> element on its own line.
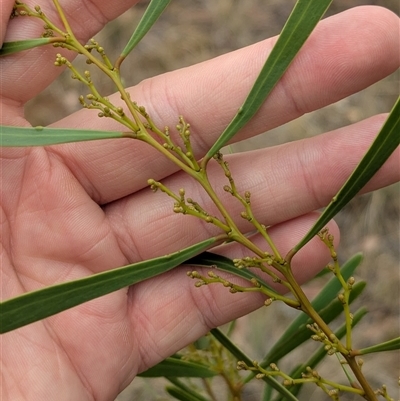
<point x="192" y="31"/>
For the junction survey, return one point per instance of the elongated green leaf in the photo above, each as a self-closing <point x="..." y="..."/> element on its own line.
<point x="297" y="29"/>
<point x="267" y="394"/>
<point x="152" y="13"/>
<point x="20" y="45"/>
<point x="40" y="136"/>
<point x="390" y="345"/>
<point x="176" y="367"/>
<point x="188" y="391"/>
<point x="384" y="145"/>
<point x="241" y="356"/>
<point x="33" y="306"/>
<point x="181" y="394"/>
<point x="319" y="355"/>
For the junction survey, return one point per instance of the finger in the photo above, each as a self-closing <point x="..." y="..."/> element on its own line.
<point x="346" y="53"/>
<point x="173" y="313"/>
<point x="6" y="9"/>
<point x="285" y="182"/>
<point x="26" y="74"/>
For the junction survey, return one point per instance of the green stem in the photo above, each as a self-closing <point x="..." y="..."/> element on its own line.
<point x="369" y="392"/>
<point x="209" y="389"/>
<point x="308" y="308"/>
<point x="235" y="234"/>
<point x="345" y="302"/>
<point x="263" y="231"/>
<point x="63" y="18"/>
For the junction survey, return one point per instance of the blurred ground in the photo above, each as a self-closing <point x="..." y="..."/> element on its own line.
<point x="191" y="31"/>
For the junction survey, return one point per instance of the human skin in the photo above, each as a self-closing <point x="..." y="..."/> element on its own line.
<point x="69" y="211"/>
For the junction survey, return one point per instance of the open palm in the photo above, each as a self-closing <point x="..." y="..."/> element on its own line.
<point x="72" y="210"/>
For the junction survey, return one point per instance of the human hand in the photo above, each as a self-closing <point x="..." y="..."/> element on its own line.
<point x="73" y="210"/>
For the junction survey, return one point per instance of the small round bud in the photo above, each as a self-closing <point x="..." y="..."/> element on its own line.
<point x="333" y="338"/>
<point x="255" y="282"/>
